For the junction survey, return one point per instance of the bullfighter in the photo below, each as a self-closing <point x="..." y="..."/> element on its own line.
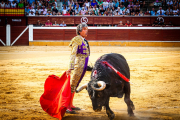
<point x="79" y="57"/>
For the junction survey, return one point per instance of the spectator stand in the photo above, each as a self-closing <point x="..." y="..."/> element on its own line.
<point x="110" y="7"/>
<point x="104" y="20"/>
<point x="15" y="15"/>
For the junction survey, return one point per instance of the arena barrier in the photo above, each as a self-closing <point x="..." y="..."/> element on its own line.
<point x="107" y="36"/>
<point x="97" y="36"/>
<point x="14" y="35"/>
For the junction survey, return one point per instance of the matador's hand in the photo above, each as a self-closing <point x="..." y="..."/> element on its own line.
<point x="68" y="72"/>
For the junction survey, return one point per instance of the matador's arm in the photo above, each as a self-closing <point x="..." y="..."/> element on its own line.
<point x="74" y="46"/>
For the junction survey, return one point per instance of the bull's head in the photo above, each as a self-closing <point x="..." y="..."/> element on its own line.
<point x="96" y="94"/>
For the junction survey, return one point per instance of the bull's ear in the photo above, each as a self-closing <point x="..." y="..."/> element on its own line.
<point x="107" y="86"/>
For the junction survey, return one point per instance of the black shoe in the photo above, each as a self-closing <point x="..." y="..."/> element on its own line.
<point x="76" y="108"/>
<point x="70" y="112"/>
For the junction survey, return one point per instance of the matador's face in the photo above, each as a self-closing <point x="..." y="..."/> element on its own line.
<point x="84" y="32"/>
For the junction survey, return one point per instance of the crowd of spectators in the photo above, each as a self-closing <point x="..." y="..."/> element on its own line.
<point x="49" y="24"/>
<point x="91" y="7"/>
<point x="12" y="4"/>
<point x="159" y="22"/>
<point x="81" y="7"/>
<point x="168" y="12"/>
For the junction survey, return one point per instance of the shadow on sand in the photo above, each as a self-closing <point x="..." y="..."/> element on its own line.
<point x="122" y="115"/>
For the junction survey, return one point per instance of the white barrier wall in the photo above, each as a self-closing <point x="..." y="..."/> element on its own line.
<point x="8" y="35"/>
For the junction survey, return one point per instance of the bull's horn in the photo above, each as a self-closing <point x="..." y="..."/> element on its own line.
<point x="101" y="84"/>
<point x="82" y="87"/>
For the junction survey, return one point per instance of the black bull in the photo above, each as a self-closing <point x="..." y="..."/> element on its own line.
<point x="106" y="83"/>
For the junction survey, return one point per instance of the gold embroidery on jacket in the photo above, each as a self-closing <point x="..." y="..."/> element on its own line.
<point x="77" y="61"/>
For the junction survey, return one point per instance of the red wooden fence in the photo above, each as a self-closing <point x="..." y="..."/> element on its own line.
<point x="110" y="34"/>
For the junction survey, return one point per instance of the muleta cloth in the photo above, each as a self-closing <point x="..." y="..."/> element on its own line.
<point x="56" y="96"/>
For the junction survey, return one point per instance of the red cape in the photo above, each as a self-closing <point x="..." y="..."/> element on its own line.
<point x="56" y="96"/>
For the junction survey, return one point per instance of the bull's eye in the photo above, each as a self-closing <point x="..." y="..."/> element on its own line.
<point x="95" y="74"/>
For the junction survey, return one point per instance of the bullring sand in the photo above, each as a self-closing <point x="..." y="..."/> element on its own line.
<point x="155" y="72"/>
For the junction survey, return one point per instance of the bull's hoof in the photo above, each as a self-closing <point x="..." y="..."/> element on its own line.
<point x="131" y="114"/>
<point x="98" y="109"/>
<point x="111" y="117"/>
<point x="132" y="106"/>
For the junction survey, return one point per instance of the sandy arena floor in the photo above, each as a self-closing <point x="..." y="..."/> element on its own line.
<point x="155" y="72"/>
